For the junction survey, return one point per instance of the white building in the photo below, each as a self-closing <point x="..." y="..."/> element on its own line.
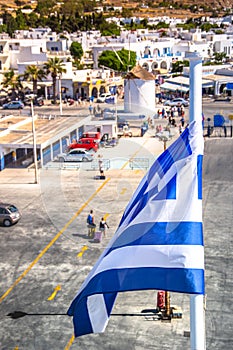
<point x="139" y="92"/>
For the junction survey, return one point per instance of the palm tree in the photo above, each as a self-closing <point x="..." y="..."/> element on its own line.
<point x="55" y="67"/>
<point x="34" y="73"/>
<point x="12" y="81"/>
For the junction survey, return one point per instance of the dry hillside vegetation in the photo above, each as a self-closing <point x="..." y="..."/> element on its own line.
<point x="216" y="5"/>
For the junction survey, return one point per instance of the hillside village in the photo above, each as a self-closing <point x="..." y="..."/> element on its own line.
<point x="155" y="52"/>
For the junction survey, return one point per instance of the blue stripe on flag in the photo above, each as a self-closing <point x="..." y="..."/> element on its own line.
<point x="158" y="233"/>
<point x="125" y="280"/>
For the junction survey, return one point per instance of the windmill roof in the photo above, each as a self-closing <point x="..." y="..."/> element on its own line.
<point x="140" y="73"/>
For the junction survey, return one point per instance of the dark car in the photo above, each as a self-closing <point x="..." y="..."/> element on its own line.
<point x="9" y="214"/>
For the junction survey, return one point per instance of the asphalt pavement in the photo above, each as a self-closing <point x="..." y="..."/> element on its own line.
<point x="46" y="256"/>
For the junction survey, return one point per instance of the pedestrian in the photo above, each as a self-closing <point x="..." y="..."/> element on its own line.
<point x="102" y="226"/>
<point x="163" y="113"/>
<point x="101" y="166"/>
<point x="182" y="121"/>
<point x="91" y="224"/>
<point x="90" y="109"/>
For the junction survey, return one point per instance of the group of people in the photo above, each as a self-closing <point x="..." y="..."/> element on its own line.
<point x="92" y="225"/>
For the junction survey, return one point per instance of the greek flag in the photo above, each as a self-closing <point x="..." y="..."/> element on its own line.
<point x="159" y="241"/>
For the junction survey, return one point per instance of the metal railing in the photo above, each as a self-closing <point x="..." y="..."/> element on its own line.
<point x="139" y="163"/>
<point x="218" y="131"/>
<point x="105" y="164"/>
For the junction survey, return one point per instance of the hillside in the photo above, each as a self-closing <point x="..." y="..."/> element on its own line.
<point x="178" y="8"/>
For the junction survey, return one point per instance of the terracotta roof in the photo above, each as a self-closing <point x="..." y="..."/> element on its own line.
<point x="140" y="73"/>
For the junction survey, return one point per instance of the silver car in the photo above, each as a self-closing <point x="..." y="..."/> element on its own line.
<point x="9" y="214"/>
<point x="75" y="155"/>
<point x="177" y="102"/>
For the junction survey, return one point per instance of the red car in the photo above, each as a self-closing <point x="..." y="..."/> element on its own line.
<point x="92" y="135"/>
<point x="86" y="143"/>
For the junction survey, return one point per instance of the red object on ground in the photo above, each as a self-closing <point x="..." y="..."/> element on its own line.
<point x="161" y="299"/>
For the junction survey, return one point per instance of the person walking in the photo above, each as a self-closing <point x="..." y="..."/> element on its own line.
<point x="102" y="226"/>
<point x="91" y="224"/>
<point x="101" y="165"/>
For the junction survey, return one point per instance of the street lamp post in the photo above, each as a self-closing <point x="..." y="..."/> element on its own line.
<point x="34" y="143"/>
<point x="60" y="94"/>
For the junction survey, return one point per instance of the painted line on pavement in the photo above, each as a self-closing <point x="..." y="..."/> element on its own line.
<point x="127" y="162"/>
<point x="52" y="241"/>
<point x="54" y="293"/>
<point x="70" y="343"/>
<point x="80" y="254"/>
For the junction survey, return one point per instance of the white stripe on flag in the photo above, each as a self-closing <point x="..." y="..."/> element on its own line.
<point x="170" y="211"/>
<point x="98" y="315"/>
<point x="164" y="256"/>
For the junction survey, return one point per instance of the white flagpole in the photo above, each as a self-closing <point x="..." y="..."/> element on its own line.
<point x="197" y="317"/>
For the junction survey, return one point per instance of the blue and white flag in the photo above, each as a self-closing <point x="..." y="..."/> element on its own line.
<point x="159" y="242"/>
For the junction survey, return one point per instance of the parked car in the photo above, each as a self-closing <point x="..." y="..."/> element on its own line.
<point x="75" y="155"/>
<point x="87" y="143"/>
<point x="177" y="102"/>
<point x="95" y="135"/>
<point x="9" y="214"/>
<point x="102" y="97"/>
<point x="13" y="105"/>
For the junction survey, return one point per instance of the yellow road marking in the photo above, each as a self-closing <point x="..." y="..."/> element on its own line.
<point x="52" y="241"/>
<point x="56" y="289"/>
<point x="124" y="189"/>
<point x="80" y="254"/>
<point x="127" y="162"/>
<point x="69" y="343"/>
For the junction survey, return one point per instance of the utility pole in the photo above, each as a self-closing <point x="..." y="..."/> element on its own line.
<point x="34" y="143"/>
<point x="60" y="94"/>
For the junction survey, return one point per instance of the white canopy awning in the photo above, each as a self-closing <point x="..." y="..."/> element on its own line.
<point x="174" y="87"/>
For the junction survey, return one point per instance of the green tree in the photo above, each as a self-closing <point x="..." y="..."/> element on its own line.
<point x="177" y="67"/>
<point x="109" y="28"/>
<point x="119" y="61"/>
<point x="12" y="82"/>
<point x="76" y="50"/>
<point x="219" y="56"/>
<point x="54" y="67"/>
<point x="10" y="22"/>
<point x="44" y="7"/>
<point x="161" y="25"/>
<point x="34" y="73"/>
<point x="20" y="20"/>
<point x="32" y="20"/>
